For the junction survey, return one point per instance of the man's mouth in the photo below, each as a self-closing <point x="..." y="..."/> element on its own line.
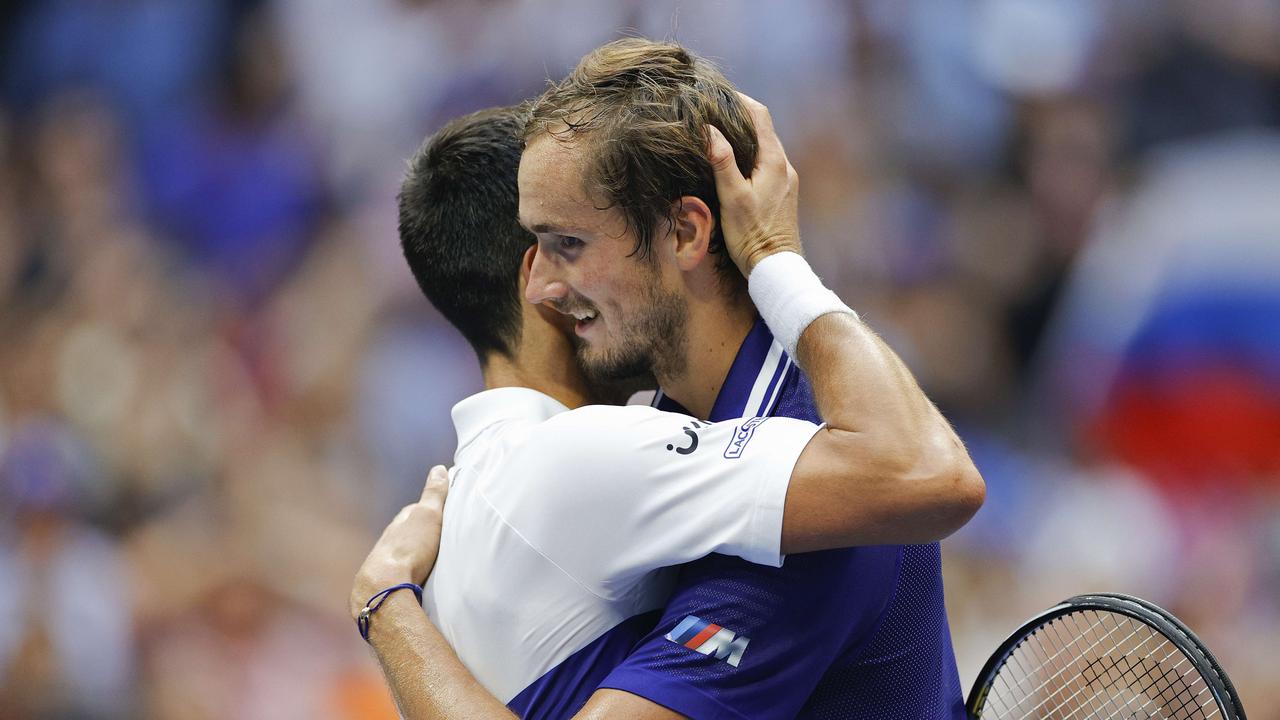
<point x="585" y="318"/>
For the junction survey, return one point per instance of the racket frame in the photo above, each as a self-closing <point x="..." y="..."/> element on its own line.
<point x="1141" y="610"/>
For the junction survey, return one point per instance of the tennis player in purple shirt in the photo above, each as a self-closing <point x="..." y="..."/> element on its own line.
<point x="627" y="167"/>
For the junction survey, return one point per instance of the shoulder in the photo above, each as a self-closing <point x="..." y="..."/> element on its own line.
<point x="605" y="433"/>
<point x="606" y="418"/>
<point x="564" y="459"/>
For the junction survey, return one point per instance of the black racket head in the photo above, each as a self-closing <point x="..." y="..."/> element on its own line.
<point x="1103" y="655"/>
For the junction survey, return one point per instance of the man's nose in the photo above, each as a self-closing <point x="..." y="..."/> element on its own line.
<point x="544" y="281"/>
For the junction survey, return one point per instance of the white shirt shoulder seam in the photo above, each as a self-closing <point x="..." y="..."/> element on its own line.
<point x="536" y="549"/>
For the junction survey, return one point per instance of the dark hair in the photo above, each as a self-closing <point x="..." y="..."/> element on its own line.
<point x="641" y="106"/>
<point x="459" y="228"/>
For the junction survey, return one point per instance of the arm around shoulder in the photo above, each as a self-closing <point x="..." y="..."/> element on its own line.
<point x="888" y="468"/>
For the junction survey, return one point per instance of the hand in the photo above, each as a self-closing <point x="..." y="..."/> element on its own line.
<point x="757" y="214"/>
<point x="407" y="550"/>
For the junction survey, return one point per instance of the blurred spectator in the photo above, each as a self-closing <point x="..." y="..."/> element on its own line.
<point x="66" y="648"/>
<point x="148" y="56"/>
<point x="236" y="182"/>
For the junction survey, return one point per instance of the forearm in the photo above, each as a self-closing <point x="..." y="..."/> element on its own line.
<point x="426" y="678"/>
<point x="861" y="386"/>
<point x="890" y="469"/>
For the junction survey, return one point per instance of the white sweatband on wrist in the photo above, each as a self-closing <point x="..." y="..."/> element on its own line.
<point x="789" y="296"/>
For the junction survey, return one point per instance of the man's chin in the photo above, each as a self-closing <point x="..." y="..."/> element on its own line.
<point x="603" y="368"/>
<point x="618" y="391"/>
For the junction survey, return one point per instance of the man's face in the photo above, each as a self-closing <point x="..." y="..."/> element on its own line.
<point x="630" y="319"/>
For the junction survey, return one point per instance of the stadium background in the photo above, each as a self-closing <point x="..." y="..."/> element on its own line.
<point x="217" y="380"/>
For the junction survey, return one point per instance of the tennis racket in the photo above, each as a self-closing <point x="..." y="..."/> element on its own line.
<point x="1103" y="655"/>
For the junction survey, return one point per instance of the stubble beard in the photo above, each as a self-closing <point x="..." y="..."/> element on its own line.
<point x="652" y="343"/>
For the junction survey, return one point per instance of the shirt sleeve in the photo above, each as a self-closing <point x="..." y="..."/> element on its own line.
<point x="738" y="640"/>
<point x="610" y="494"/>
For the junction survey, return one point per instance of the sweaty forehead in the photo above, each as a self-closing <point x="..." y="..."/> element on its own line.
<point x="552" y="192"/>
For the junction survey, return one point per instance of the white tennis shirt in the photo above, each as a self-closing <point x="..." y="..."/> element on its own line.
<point x="560" y="523"/>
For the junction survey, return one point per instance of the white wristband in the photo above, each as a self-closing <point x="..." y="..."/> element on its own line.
<point x="789" y="296"/>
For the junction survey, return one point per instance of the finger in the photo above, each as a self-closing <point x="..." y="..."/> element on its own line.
<point x="771" y="151"/>
<point x="729" y="179"/>
<point x="437" y="485"/>
<point x="760" y="116"/>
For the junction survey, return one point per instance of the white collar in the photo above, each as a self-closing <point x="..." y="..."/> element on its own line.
<point x="472" y="415"/>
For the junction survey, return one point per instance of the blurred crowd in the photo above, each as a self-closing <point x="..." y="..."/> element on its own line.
<point x="218" y="380"/>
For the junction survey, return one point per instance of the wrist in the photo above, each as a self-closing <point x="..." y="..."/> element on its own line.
<point x="391" y="616"/>
<point x="368" y="585"/>
<point x="790" y="296"/>
<point x="380" y="600"/>
<point x="767" y="249"/>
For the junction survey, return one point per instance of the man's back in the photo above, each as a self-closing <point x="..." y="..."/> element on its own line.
<point x="504" y="605"/>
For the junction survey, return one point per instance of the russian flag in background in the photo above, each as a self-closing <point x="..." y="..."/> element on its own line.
<point x="1166" y="349"/>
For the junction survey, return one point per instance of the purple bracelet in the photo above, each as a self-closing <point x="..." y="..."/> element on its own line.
<point x="375" y="602"/>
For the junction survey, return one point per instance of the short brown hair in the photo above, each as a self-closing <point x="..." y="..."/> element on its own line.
<point x="642" y="106"/>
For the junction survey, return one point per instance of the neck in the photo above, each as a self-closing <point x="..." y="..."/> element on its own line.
<point x="716" y="329"/>
<point x="536" y="373"/>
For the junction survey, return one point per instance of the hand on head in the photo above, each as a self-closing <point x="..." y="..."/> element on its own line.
<point x="758" y="214"/>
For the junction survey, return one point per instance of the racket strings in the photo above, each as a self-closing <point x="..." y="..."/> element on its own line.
<point x="1046" y="662"/>
<point x="1134" y="671"/>
<point x="1115" y="686"/>
<point x="1097" y="664"/>
<point x="1085" y="682"/>
<point x="1175" y="694"/>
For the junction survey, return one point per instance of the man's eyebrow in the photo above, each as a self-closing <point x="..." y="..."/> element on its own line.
<point x="541" y="228"/>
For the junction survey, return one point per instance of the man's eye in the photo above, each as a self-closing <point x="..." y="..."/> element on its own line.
<point x="568" y="242"/>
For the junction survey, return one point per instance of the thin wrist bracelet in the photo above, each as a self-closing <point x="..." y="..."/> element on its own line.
<point x="375" y="602"/>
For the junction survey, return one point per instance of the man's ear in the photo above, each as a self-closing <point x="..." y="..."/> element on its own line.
<point x="694" y="224"/>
